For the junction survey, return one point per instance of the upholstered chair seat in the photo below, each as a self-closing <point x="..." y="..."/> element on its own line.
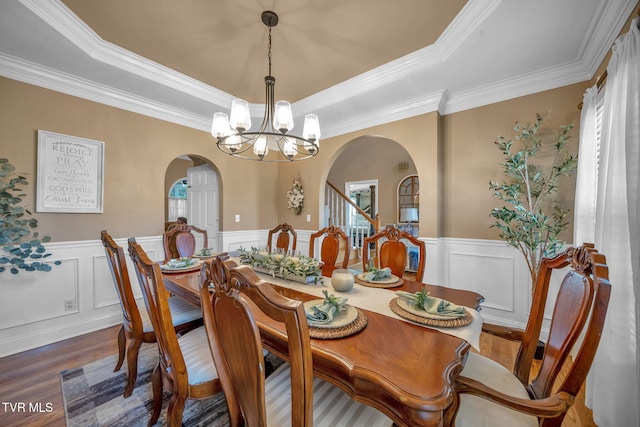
<point x="181" y="311"/>
<point x="477" y="412"/>
<point x="332" y="407"/>
<point x="197" y="357"/>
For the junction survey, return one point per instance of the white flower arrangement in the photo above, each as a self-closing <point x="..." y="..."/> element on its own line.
<point x="282" y="265"/>
<point x="295" y="196"/>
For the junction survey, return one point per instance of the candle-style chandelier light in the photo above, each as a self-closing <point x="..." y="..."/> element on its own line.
<point x="271" y="142"/>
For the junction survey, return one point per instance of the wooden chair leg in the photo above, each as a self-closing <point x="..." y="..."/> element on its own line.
<point x="132" y="365"/>
<point x="122" y="343"/>
<point x="176" y="409"/>
<point x="156" y="386"/>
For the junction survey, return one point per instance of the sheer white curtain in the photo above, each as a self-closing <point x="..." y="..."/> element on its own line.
<point x="607" y="209"/>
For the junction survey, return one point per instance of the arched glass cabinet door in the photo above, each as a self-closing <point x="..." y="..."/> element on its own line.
<point x="408" y="199"/>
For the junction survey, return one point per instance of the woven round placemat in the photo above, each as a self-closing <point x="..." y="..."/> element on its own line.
<point x="379" y="285"/>
<point x="441" y="323"/>
<point x="344" y="331"/>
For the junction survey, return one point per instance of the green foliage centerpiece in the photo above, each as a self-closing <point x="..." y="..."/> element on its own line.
<point x="22" y="248"/>
<point x="531" y="219"/>
<point x="299" y="268"/>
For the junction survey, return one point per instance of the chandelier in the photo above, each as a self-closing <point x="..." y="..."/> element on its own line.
<point x="271" y="142"/>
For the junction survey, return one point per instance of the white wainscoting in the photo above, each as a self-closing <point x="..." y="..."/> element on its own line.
<point x="79" y="296"/>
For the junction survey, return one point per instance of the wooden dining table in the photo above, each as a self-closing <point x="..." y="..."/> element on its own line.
<point x="403" y="369"/>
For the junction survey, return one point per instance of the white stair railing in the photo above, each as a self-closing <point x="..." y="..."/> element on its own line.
<point x="345" y="214"/>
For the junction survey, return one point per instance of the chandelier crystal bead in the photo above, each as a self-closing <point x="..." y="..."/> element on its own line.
<point x="233" y="132"/>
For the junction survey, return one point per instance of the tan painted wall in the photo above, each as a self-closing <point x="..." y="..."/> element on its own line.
<point x="138" y="150"/>
<point x="471" y="159"/>
<point x="454" y="197"/>
<point x="455" y="200"/>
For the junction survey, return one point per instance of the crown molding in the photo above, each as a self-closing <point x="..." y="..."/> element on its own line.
<point x="603" y="32"/>
<point x="593" y="53"/>
<point x="527" y="84"/>
<point x="65" y="22"/>
<point x="471" y="16"/>
<point x="35" y="74"/>
<point x="391" y="113"/>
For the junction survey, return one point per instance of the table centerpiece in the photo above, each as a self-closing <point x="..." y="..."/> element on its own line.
<point x="298" y="268"/>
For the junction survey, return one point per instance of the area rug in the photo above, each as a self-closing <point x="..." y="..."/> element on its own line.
<point x="92" y="396"/>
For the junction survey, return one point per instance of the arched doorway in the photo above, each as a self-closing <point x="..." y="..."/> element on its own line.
<point x="202" y="194"/>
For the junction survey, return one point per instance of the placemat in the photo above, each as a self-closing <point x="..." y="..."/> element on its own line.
<point x="442" y="323"/>
<point x="379" y="285"/>
<point x="350" y="329"/>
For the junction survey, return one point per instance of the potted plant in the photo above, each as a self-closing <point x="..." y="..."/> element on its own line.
<point x="531" y="218"/>
<point x="21" y="248"/>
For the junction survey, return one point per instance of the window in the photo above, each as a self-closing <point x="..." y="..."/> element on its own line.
<point x="178" y="199"/>
<point x="408" y="195"/>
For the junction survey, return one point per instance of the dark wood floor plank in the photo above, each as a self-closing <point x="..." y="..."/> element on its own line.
<point x="34" y="375"/>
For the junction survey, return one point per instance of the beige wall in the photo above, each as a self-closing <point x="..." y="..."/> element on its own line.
<point x="138" y="150"/>
<point x="454" y="157"/>
<point x="471" y="159"/>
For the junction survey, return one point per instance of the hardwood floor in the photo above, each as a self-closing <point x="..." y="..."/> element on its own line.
<point x="34" y="377"/>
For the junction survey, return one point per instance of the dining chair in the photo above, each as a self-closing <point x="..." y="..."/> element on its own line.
<point x="286" y="238"/>
<point x="290" y="395"/>
<point x="486" y="393"/>
<point x="186" y="367"/>
<point x="334" y="244"/>
<point x="179" y="241"/>
<point x="390" y="251"/>
<point x="136" y="325"/>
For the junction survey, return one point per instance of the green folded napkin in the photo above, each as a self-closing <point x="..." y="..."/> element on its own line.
<point x="324" y="313"/>
<point x="432" y="305"/>
<point x="377" y="274"/>
<point x="180" y="262"/>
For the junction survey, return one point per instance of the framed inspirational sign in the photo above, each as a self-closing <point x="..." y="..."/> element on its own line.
<point x="70" y="174"/>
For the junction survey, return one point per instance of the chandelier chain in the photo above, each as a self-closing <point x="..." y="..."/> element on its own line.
<point x="269" y="51"/>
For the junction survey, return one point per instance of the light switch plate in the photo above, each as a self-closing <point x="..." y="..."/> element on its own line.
<point x="237" y="218"/>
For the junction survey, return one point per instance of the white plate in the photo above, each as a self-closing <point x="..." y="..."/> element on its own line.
<point x="195" y="266"/>
<point x="407" y="307"/>
<point x="197" y="255"/>
<point x="344" y="318"/>
<point x="386" y="280"/>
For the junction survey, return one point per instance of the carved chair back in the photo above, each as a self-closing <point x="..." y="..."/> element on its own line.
<point x="391" y="251"/>
<point x="179" y="241"/>
<point x="156" y="300"/>
<point x="238" y="351"/>
<point x="286" y="238"/>
<point x="579" y="313"/>
<point x="334" y="243"/>
<point x="179" y="356"/>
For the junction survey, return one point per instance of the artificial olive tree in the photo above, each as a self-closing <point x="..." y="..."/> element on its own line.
<point x="532" y="218"/>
